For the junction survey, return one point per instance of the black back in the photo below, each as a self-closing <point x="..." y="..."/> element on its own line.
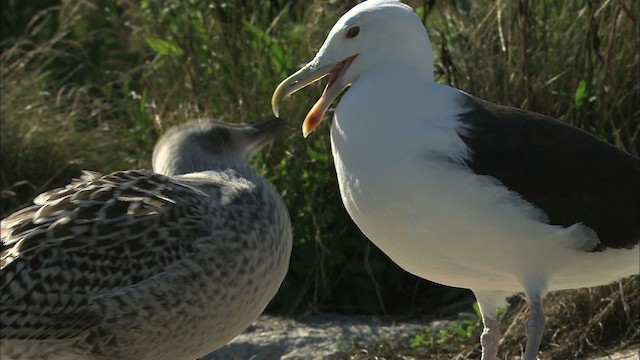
<point x="569" y="174"/>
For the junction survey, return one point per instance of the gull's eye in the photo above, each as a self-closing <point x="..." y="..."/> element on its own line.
<point x="352" y="32"/>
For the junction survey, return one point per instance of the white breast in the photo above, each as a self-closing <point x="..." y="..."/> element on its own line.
<point x="402" y="182"/>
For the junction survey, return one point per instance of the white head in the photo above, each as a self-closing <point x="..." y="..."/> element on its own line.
<point x="371" y="34"/>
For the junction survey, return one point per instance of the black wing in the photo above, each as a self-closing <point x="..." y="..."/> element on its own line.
<point x="569" y="174"/>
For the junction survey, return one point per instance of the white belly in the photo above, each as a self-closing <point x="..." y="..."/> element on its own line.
<point x="446" y="224"/>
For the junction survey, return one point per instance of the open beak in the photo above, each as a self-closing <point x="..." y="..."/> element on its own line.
<point x="308" y="75"/>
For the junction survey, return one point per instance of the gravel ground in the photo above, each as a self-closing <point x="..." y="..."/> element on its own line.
<point x="313" y="337"/>
<point x="329" y="337"/>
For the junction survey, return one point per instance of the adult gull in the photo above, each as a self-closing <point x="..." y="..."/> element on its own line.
<point x="461" y="191"/>
<point x="170" y="264"/>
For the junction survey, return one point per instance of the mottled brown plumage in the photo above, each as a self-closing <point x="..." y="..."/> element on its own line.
<point x="142" y="265"/>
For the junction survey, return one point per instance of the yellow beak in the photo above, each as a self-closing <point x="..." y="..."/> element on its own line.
<point x="309" y="74"/>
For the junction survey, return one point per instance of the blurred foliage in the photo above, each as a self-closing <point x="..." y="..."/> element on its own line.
<point x="91" y="84"/>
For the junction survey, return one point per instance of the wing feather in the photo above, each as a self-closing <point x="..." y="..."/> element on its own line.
<point x="97" y="234"/>
<point x="569" y="174"/>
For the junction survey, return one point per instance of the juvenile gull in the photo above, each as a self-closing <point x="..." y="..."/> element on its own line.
<point x="460" y="191"/>
<point x="170" y="264"/>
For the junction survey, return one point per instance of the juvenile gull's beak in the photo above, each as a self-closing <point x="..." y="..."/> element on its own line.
<point x="309" y="74"/>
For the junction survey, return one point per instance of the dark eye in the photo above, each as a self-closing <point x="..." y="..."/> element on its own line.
<point x="353" y="32"/>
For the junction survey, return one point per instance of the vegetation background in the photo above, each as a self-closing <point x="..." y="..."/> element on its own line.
<point x="90" y="84"/>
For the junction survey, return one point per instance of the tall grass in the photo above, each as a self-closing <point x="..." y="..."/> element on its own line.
<point x="574" y="60"/>
<point x="51" y="126"/>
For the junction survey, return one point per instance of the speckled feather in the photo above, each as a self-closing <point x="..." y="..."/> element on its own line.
<point x="136" y="264"/>
<point x="110" y="226"/>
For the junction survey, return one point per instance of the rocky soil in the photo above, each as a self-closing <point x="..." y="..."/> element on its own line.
<point x="332" y="337"/>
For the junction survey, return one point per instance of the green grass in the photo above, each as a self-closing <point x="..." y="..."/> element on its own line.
<point x="466" y="328"/>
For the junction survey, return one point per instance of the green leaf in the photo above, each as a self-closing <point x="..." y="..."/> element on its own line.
<point x="581" y="93"/>
<point x="80" y="28"/>
<point x="476" y="307"/>
<point x="317" y="155"/>
<point x="424" y="339"/>
<point x="443" y="336"/>
<point x="471" y="331"/>
<point x="163" y="47"/>
<point x="416" y="341"/>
